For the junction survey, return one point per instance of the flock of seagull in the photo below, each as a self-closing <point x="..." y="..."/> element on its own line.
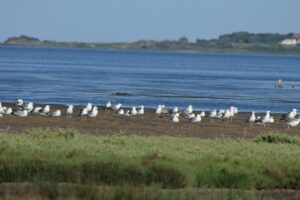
<point x="23" y="109"/>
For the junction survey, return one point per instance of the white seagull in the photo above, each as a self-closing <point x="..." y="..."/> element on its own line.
<point x="175" y="118"/>
<point x="141" y="111"/>
<point x="293" y="122"/>
<point x="56" y="113"/>
<point x="117" y="106"/>
<point x="89" y="107"/>
<point x="21" y="113"/>
<point x="28" y="107"/>
<point x="83" y="112"/>
<point x="252" y="118"/>
<point x="133" y="111"/>
<point x="188" y="110"/>
<point x="94" y="112"/>
<point x="45" y="110"/>
<point x="175" y="110"/>
<point x="70" y="111"/>
<point x="196" y="119"/>
<point x="121" y="112"/>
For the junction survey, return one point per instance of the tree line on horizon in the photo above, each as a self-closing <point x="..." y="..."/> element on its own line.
<point x="241" y="41"/>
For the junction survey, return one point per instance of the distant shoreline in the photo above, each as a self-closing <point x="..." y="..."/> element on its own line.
<point x="217" y="51"/>
<point x="239" y="42"/>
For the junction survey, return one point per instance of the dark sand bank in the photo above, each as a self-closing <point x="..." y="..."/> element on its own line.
<point x="147" y="124"/>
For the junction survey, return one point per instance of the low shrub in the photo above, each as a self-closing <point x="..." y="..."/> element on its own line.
<point x="166" y="176"/>
<point x="276" y="138"/>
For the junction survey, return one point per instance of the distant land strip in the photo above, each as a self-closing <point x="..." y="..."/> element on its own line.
<point x="234" y="42"/>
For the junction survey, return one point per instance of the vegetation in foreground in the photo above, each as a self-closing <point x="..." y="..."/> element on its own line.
<point x="270" y="161"/>
<point x="238" y="42"/>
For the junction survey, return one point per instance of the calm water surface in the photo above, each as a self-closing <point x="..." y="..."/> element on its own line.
<point x="205" y="80"/>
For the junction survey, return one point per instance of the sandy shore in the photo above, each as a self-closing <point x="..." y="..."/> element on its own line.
<point x="146" y="124"/>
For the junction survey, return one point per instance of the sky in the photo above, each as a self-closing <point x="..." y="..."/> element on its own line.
<point x="131" y="20"/>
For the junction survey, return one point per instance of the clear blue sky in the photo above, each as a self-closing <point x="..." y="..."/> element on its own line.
<point x="129" y="20"/>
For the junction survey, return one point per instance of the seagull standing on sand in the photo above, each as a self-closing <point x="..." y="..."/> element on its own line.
<point x="89" y="107"/>
<point x="290" y="115"/>
<point x="19" y="104"/>
<point x="141" y="111"/>
<point x="133" y="111"/>
<point x="164" y="110"/>
<point x="117" y="106"/>
<point x="175" y="110"/>
<point x="2" y="110"/>
<point x="21" y="113"/>
<point x="212" y="114"/>
<point x="8" y="111"/>
<point x="158" y="111"/>
<point x="108" y="106"/>
<point x="190" y="116"/>
<point x="127" y="114"/>
<point x="93" y="113"/>
<point x="56" y="113"/>
<point x="188" y="110"/>
<point x="175" y="118"/>
<point x="69" y="111"/>
<point x="36" y="110"/>
<point x="196" y="119"/>
<point x="220" y="113"/>
<point x="227" y="114"/>
<point x="28" y="107"/>
<point x="252" y="118"/>
<point x="45" y="111"/>
<point x="121" y="112"/>
<point x="293" y="122"/>
<point x="83" y="112"/>
<point x="202" y="114"/>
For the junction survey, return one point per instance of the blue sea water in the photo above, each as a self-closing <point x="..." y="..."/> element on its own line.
<point x="204" y="80"/>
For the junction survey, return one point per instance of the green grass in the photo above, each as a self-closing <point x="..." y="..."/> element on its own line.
<point x="66" y="156"/>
